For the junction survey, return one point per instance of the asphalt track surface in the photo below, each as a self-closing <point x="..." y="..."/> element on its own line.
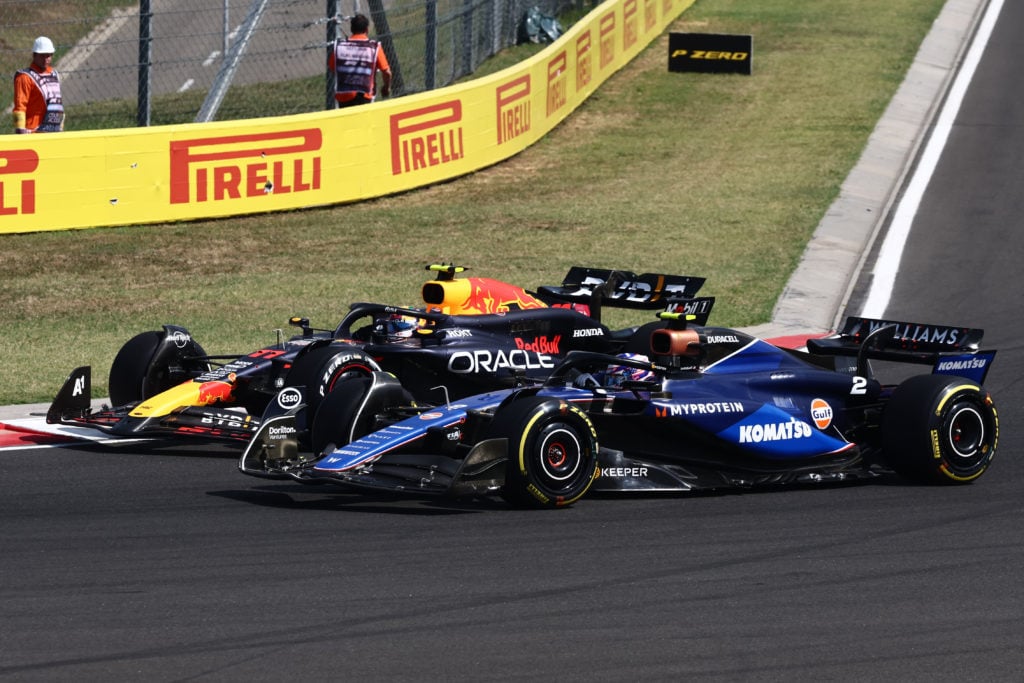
<point x="187" y="48"/>
<point x="165" y="564"/>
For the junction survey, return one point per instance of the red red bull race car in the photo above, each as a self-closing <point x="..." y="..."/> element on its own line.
<point x="470" y="335"/>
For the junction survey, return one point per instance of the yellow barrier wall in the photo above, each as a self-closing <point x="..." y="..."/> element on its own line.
<point x="193" y="171"/>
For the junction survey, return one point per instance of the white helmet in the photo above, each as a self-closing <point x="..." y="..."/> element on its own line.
<point x="42" y="46"/>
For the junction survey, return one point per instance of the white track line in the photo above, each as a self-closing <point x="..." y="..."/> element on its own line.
<point x="891" y="252"/>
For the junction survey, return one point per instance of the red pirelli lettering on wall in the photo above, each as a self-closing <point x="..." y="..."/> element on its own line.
<point x="629" y="27"/>
<point x="17" y="194"/>
<point x="557" y="95"/>
<point x="606" y="38"/>
<point x="426" y="137"/>
<point x="650" y="15"/>
<point x="584" y="68"/>
<point x="240" y="166"/>
<point x="512" y="100"/>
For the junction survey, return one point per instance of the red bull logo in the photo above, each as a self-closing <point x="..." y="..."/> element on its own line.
<point x="606" y="39"/>
<point x="213" y="392"/>
<point x="493" y="296"/>
<point x="17" y="195"/>
<point x="557" y="95"/>
<point x="584" y="67"/>
<point x="243" y="166"/>
<point x="513" y="103"/>
<point x="629" y="24"/>
<point x="426" y="137"/>
<point x="541" y="344"/>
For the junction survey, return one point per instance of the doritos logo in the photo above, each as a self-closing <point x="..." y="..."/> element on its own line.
<point x="606" y="33"/>
<point x="557" y="95"/>
<point x="422" y="138"/>
<point x="513" y="105"/>
<point x="17" y="195"/>
<point x="242" y="166"/>
<point x="584" y="68"/>
<point x="629" y="28"/>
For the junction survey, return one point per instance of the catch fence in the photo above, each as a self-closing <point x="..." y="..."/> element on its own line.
<point x="177" y="61"/>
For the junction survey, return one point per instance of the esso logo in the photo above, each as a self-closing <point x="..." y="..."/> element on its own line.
<point x="821" y="413"/>
<point x="289" y="398"/>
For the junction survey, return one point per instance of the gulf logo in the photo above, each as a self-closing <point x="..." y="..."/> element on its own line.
<point x="821" y="413"/>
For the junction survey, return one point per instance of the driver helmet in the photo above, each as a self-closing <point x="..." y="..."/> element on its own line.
<point x="615" y="375"/>
<point x="394" y="328"/>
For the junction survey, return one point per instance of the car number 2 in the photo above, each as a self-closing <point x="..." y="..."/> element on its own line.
<point x="860" y="386"/>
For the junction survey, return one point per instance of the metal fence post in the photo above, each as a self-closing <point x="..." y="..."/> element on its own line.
<point x="332" y="35"/>
<point x="467" y="38"/>
<point x="430" y="52"/>
<point x="142" y="105"/>
<point x="383" y="33"/>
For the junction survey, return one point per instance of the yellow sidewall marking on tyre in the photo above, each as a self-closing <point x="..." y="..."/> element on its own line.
<point x="950" y="393"/>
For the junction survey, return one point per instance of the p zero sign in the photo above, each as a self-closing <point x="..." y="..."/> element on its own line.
<point x="710" y="53"/>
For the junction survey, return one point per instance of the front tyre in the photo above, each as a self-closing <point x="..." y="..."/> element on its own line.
<point x="940" y="429"/>
<point x="354" y="408"/>
<point x="552" y="448"/>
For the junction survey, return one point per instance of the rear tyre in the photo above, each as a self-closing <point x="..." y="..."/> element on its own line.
<point x="940" y="429"/>
<point x="145" y="367"/>
<point x="352" y="409"/>
<point x="552" y="449"/>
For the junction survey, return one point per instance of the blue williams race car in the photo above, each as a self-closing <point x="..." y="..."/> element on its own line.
<point x="709" y="408"/>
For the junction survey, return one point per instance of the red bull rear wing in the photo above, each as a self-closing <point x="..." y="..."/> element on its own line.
<point x="621" y="289"/>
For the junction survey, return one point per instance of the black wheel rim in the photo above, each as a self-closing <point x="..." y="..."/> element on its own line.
<point x="965" y="434"/>
<point x="560" y="456"/>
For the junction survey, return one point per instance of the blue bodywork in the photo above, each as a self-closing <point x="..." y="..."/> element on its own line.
<point x="724" y="409"/>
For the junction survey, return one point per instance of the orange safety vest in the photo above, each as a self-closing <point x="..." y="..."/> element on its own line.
<point x="49" y="88"/>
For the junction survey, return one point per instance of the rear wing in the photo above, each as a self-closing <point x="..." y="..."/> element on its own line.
<point x="598" y="287"/>
<point x="683" y="312"/>
<point x="949" y="350"/>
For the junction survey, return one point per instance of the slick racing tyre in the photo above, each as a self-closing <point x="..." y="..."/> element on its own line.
<point x="552" y="450"/>
<point x="352" y="409"/>
<point x="324" y="368"/>
<point x="940" y="429"/>
<point x="150" y="363"/>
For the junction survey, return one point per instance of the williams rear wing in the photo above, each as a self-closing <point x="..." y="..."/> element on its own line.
<point x="598" y="287"/>
<point x="949" y="350"/>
